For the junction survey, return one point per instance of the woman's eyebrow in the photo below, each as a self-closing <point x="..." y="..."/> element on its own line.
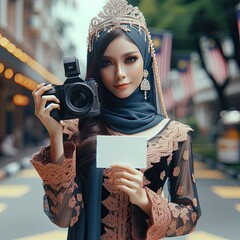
<point x="124" y="55"/>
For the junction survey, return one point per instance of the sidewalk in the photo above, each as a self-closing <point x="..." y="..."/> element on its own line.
<point x="218" y="166"/>
<point x="11" y="165"/>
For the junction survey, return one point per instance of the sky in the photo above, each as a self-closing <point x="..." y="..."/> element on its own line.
<point x="87" y="9"/>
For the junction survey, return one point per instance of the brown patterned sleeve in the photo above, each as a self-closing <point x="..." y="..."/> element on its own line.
<point x="63" y="198"/>
<point x="179" y="215"/>
<point x="70" y="127"/>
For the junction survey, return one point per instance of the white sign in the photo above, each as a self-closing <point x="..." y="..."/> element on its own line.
<point x="129" y="150"/>
<point x="228" y="150"/>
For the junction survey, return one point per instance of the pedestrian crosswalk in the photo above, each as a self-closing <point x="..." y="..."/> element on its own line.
<point x="230" y="192"/>
<point x="13" y="191"/>
<point x="202" y="172"/>
<point x="54" y="235"/>
<point x="204" y="236"/>
<point x="28" y="173"/>
<point x="62" y="235"/>
<point x="16" y="191"/>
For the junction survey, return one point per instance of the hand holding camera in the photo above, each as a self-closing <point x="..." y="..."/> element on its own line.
<point x="78" y="98"/>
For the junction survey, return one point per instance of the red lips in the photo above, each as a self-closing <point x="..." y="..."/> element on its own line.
<point x="121" y="85"/>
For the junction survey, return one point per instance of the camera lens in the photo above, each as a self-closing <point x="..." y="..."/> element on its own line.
<point x="79" y="98"/>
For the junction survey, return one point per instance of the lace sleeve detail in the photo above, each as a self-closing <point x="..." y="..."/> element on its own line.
<point x="63" y="193"/>
<point x="70" y="127"/>
<point x="169" y="219"/>
<point x="55" y="175"/>
<point x="179" y="215"/>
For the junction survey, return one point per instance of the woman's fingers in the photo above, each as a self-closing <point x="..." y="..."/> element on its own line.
<point x="122" y="174"/>
<point x="128" y="190"/>
<point x="50" y="98"/>
<point x="122" y="183"/>
<point x="52" y="106"/>
<point x="127" y="172"/>
<point x="130" y="184"/>
<point x="124" y="167"/>
<point x="40" y="89"/>
<point x="136" y="178"/>
<point x="130" y="181"/>
<point x="44" y="104"/>
<point x="125" y="175"/>
<point x="41" y="106"/>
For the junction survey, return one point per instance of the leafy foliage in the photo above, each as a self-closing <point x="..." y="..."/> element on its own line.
<point x="178" y="15"/>
<point x="188" y="19"/>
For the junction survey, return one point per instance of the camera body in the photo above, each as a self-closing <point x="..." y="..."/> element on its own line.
<point x="78" y="98"/>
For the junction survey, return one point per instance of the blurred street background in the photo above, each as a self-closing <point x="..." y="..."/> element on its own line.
<point x="197" y="44"/>
<point x="22" y="216"/>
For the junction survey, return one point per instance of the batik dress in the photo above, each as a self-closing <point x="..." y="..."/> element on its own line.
<point x="93" y="209"/>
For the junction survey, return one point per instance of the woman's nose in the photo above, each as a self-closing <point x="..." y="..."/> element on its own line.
<point x="120" y="73"/>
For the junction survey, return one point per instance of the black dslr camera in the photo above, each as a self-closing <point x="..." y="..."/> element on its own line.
<point x="78" y="98"/>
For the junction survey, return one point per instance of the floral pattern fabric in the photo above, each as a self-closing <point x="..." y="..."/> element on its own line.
<point x="170" y="163"/>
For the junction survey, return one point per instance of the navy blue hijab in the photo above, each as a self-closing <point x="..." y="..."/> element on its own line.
<point x="132" y="114"/>
<point x="129" y="115"/>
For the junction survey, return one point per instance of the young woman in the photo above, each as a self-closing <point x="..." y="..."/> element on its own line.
<point x="119" y="202"/>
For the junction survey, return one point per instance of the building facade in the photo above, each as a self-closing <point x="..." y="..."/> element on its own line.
<point x="31" y="52"/>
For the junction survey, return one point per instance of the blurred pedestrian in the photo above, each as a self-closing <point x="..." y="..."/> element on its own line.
<point x="8" y="146"/>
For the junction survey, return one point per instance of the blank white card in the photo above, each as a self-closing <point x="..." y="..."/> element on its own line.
<point x="129" y="150"/>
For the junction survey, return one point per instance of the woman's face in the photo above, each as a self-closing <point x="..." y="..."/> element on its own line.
<point x="121" y="67"/>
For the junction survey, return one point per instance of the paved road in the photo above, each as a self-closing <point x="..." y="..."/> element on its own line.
<point x="22" y="218"/>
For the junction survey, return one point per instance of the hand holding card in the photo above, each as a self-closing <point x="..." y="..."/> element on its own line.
<point x="130" y="150"/>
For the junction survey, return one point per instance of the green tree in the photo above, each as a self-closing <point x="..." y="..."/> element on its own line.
<point x="188" y="20"/>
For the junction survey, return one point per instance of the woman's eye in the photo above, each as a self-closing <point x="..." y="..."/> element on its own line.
<point x="131" y="59"/>
<point x="105" y="63"/>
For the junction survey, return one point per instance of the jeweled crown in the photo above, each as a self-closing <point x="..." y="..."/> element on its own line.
<point x="116" y="14"/>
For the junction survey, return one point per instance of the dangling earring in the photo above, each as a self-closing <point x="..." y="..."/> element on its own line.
<point x="145" y="84"/>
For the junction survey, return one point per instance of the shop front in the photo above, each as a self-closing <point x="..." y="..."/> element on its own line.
<point x="19" y="75"/>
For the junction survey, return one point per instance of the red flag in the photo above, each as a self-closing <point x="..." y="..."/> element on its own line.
<point x="162" y="43"/>
<point x="215" y="62"/>
<point x="168" y="98"/>
<point x="185" y="75"/>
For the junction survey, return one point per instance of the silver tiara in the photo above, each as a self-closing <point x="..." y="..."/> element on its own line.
<point x="116" y="14"/>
